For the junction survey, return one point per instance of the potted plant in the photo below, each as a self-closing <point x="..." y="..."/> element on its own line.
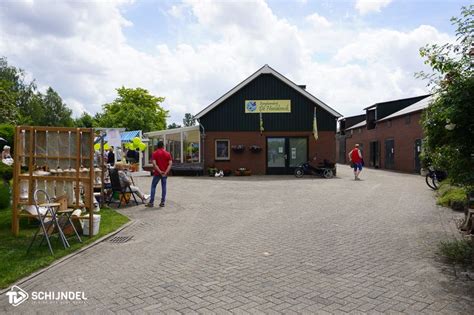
<point x="212" y="171"/>
<point x="227" y="172"/>
<point x="255" y="148"/>
<point x="238" y="148"/>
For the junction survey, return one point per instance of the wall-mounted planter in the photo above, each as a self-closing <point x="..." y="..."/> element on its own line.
<point x="255" y="148"/>
<point x="238" y="148"/>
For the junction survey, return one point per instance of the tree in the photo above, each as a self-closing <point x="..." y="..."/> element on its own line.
<point x="189" y="120"/>
<point x="21" y="103"/>
<point x="448" y="121"/>
<point x="14" y="92"/>
<point x="52" y="111"/>
<point x="134" y="109"/>
<point x="173" y="126"/>
<point x="85" y="121"/>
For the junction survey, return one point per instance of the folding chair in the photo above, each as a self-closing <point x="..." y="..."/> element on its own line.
<point x="46" y="226"/>
<point x="117" y="188"/>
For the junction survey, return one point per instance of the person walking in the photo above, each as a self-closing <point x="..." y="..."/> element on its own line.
<point x="162" y="162"/>
<point x="111" y="156"/>
<point x="355" y="157"/>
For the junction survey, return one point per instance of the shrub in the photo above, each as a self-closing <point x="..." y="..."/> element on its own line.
<point x="461" y="251"/>
<point x="6" y="172"/>
<point x="452" y="196"/>
<point x="4" y="195"/>
<point x="7" y="132"/>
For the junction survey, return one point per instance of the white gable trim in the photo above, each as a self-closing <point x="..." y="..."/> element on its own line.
<point x="267" y="70"/>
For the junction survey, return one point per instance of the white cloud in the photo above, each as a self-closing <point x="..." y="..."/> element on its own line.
<point x="88" y="58"/>
<point x="318" y="21"/>
<point x="368" y="6"/>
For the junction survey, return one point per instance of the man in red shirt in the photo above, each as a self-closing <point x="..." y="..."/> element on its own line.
<point x="355" y="157"/>
<point x="162" y="162"/>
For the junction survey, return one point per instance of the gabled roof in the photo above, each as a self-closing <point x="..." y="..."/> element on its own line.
<point x="396" y="101"/>
<point x="420" y="105"/>
<point x="361" y="124"/>
<point x="266" y="69"/>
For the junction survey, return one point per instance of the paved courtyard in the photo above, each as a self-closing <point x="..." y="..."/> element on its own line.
<point x="271" y="245"/>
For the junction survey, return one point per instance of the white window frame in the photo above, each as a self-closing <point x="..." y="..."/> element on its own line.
<point x="228" y="150"/>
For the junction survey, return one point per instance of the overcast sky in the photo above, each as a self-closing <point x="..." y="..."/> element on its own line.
<point x="349" y="53"/>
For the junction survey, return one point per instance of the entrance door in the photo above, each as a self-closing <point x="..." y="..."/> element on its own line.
<point x="374" y="154"/>
<point x="418" y="144"/>
<point x="389" y="154"/>
<point x="284" y="154"/>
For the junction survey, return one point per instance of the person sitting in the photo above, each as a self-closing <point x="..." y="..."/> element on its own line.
<point x="6" y="156"/>
<point x="131" y="158"/>
<point x="125" y="181"/>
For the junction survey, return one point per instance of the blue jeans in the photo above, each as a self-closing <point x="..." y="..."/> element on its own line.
<point x="154" y="182"/>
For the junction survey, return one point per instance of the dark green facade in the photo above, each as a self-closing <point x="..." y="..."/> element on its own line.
<point x="230" y="114"/>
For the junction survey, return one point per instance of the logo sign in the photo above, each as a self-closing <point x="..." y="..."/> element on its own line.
<point x="16" y="296"/>
<point x="267" y="106"/>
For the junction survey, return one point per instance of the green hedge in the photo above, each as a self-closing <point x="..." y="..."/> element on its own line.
<point x="6" y="172"/>
<point x="5" y="195"/>
<point x="452" y="196"/>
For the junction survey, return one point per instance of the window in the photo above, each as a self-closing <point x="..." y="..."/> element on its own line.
<point x="407" y="119"/>
<point x="222" y="149"/>
<point x="389" y="123"/>
<point x="352" y="131"/>
<point x="360" y="130"/>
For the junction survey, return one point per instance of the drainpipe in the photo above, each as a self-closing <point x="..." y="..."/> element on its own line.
<point x="202" y="137"/>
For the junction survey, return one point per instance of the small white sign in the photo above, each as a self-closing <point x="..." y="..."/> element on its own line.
<point x="280" y="149"/>
<point x="293" y="153"/>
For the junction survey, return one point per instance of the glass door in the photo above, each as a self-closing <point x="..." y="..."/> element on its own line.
<point x="284" y="154"/>
<point x="298" y="152"/>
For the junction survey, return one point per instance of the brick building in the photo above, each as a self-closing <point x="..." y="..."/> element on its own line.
<point x="270" y="112"/>
<point x="265" y="124"/>
<point x="390" y="136"/>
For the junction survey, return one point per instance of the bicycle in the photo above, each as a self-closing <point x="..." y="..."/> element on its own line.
<point x="434" y="177"/>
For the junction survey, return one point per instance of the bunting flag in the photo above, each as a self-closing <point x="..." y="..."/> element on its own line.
<point x="261" y="124"/>
<point x="315" y="125"/>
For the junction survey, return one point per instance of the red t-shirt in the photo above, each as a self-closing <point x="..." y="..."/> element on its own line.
<point x="162" y="158"/>
<point x="355" y="156"/>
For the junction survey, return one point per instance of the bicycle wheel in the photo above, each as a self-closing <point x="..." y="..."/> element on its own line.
<point x="435" y="182"/>
<point x="429" y="181"/>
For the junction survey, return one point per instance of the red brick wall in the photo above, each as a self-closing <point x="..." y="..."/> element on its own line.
<point x="324" y="148"/>
<point x="403" y="134"/>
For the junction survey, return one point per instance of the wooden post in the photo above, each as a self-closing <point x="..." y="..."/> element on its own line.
<point x="91" y="180"/>
<point x="16" y="183"/>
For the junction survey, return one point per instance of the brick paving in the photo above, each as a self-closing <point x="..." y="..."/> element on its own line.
<point x="271" y="245"/>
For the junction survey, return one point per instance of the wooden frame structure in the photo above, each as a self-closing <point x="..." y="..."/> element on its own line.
<point x="28" y="158"/>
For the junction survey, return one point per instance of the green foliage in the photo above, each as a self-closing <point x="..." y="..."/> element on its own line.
<point x="134" y="109"/>
<point x="21" y="103"/>
<point x="85" y="121"/>
<point x="460" y="251"/>
<point x="7" y="132"/>
<point x="5" y="195"/>
<point x="189" y="120"/>
<point x="15" y="264"/>
<point x="53" y="111"/>
<point x="6" y="172"/>
<point x="453" y="88"/>
<point x="173" y="126"/>
<point x="452" y="196"/>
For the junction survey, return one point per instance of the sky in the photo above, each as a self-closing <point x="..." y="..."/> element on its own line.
<point x="349" y="53"/>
